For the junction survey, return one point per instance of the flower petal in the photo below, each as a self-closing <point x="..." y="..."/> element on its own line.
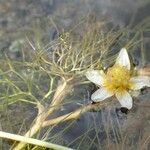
<point x="140" y="82"/>
<point x="123" y="58"/>
<point x="125" y="99"/>
<point x="101" y="94"/>
<point x="95" y="76"/>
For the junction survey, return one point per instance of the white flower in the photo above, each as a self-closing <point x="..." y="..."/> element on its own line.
<point x="117" y="81"/>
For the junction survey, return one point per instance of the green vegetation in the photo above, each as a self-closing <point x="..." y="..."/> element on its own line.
<point x="45" y="77"/>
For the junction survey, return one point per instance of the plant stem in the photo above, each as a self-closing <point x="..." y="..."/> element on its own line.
<point x="32" y="141"/>
<point x="74" y="115"/>
<point x="41" y="121"/>
<point x="145" y="71"/>
<point x="61" y="91"/>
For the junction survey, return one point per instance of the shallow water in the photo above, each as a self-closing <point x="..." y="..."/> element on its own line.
<point x="103" y="128"/>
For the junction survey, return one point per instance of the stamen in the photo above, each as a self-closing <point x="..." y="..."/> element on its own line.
<point x="117" y="79"/>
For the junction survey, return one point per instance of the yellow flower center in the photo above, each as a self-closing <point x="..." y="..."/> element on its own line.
<point x="117" y="79"/>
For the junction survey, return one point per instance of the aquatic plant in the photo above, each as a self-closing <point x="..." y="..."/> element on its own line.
<point x="44" y="79"/>
<point x="118" y="80"/>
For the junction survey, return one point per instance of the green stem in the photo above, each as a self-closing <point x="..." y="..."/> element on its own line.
<point x="61" y="91"/>
<point x="32" y="141"/>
